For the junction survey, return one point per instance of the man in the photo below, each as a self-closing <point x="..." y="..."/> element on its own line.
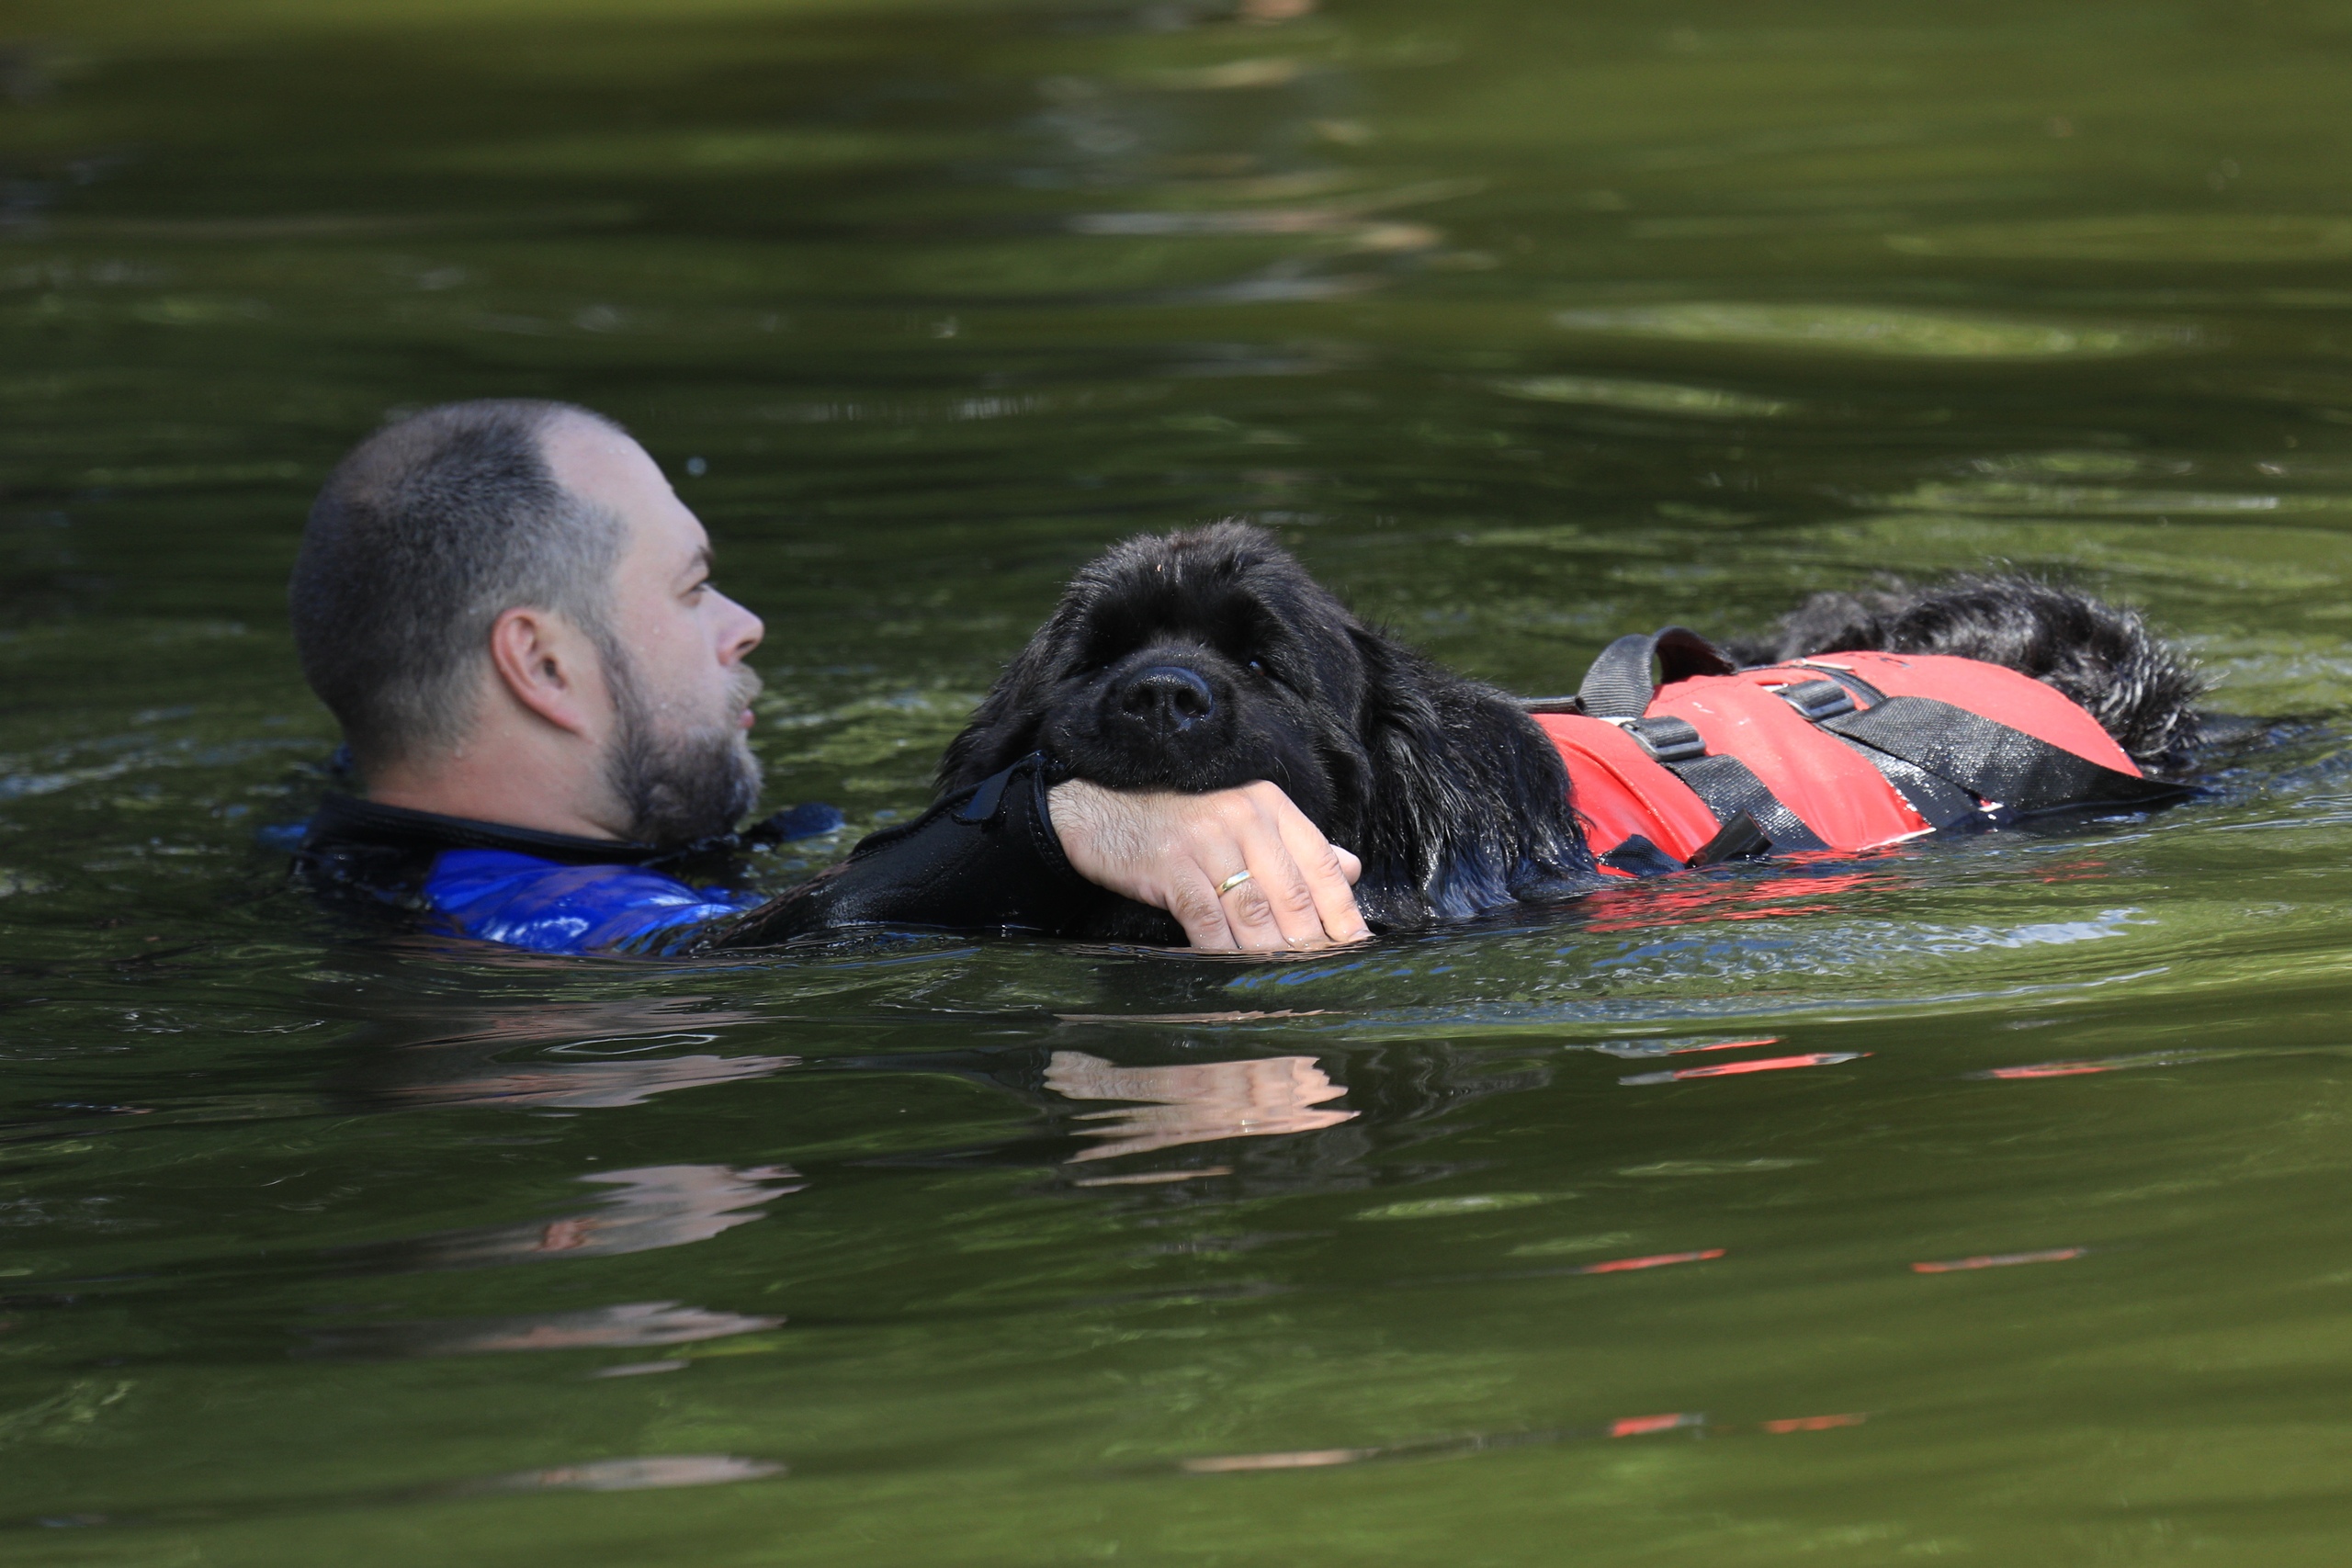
<point x="512" y="616"/>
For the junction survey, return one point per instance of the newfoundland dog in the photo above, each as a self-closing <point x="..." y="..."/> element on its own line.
<point x="1206" y="659"/>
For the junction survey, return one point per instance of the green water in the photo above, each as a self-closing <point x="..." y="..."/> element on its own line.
<point x="1526" y="325"/>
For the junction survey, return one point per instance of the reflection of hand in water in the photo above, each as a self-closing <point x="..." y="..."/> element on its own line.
<point x="1196" y="1103"/>
<point x="659" y="1205"/>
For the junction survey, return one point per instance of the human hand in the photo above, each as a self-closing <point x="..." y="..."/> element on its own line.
<point x="1172" y="851"/>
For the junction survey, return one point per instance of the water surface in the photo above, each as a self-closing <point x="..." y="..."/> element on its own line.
<point x="1525" y="325"/>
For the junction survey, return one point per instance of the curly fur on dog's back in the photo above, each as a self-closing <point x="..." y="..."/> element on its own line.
<point x="2139" y="687"/>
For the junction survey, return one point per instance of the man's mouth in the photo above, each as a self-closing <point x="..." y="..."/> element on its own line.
<point x="747" y="687"/>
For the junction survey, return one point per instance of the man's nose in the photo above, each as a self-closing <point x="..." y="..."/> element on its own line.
<point x="743" y="631"/>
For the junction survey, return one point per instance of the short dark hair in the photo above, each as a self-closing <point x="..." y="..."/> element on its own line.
<point x="423" y="536"/>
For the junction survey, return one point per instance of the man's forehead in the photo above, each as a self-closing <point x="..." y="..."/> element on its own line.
<point x="605" y="468"/>
<point x="596" y="461"/>
<point x="670" y="539"/>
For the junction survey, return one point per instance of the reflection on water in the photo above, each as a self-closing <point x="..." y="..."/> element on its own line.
<point x="1527" y="326"/>
<point x="667" y="1205"/>
<point x="625" y="1326"/>
<point x="1197" y="1103"/>
<point x="629" y="1474"/>
<point x="1655" y="397"/>
<point x="587" y="1084"/>
<point x="1690" y="1422"/>
<point x="1846" y="329"/>
<point x="562" y="1055"/>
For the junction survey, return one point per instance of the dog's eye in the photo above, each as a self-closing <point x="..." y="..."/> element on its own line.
<point x="1256" y="667"/>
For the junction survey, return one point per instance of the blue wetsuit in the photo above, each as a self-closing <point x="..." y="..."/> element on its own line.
<point x="985" y="857"/>
<point x="549" y="906"/>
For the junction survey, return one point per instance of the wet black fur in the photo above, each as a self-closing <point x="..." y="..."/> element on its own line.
<point x="1454" y="801"/>
<point x="1453" y="798"/>
<point x="2138" y="687"/>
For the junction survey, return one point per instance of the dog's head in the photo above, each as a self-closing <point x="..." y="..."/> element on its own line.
<point x="1189" y="661"/>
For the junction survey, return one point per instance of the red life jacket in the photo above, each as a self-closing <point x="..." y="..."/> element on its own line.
<point x="1796" y="745"/>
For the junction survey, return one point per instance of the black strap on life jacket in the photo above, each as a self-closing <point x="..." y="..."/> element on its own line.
<point x="1619" y="688"/>
<point x="1939" y="803"/>
<point x="1995" y="763"/>
<point x="1619" y="685"/>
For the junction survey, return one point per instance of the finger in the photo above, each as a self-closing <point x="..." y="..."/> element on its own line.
<point x="1275" y="908"/>
<point x="1297" y="902"/>
<point x="1330" y="873"/>
<point x="1252" y="919"/>
<point x="1193" y="899"/>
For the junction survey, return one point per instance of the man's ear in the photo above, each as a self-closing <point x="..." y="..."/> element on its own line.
<point x="547" y="665"/>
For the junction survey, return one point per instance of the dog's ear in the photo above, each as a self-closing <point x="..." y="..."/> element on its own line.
<point x="1464" y="804"/>
<point x="1003" y="729"/>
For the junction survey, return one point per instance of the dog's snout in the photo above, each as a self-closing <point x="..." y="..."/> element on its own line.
<point x="1168" y="696"/>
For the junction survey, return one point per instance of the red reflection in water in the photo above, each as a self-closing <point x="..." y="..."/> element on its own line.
<point x="1477" y="1442"/>
<point x="2050" y="1070"/>
<point x="1814" y="1423"/>
<point x="2102" y="1064"/>
<point x="1658" y="1260"/>
<point x="1761" y="1064"/>
<point x="2075" y="871"/>
<point x="1735" y="901"/>
<point x="1303" y="1458"/>
<point x="2000" y="1260"/>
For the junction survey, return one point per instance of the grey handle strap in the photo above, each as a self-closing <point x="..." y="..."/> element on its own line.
<point x="1619" y="684"/>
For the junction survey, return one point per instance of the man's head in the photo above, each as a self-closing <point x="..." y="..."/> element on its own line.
<point x="518" y="578"/>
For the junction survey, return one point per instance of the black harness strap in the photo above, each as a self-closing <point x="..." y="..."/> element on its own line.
<point x="1990" y="760"/>
<point x="1619" y="685"/>
<point x="1739" y="838"/>
<point x="1938" y="803"/>
<point x="1732" y="791"/>
<point x="1619" y="688"/>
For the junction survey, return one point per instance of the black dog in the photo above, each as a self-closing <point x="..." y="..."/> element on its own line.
<point x="1203" y="660"/>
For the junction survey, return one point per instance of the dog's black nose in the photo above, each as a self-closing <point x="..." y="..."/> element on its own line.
<point x="1169" y="697"/>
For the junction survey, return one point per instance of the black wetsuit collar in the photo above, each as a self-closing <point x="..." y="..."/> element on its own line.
<point x="346" y="819"/>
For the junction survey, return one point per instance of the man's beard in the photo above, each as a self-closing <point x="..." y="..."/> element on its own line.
<point x="680" y="789"/>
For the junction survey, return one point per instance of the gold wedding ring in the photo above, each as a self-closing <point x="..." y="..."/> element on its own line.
<point x="1230" y="882"/>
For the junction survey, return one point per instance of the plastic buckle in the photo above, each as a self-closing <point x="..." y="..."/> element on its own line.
<point x="1817" y="700"/>
<point x="1666" y="740"/>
